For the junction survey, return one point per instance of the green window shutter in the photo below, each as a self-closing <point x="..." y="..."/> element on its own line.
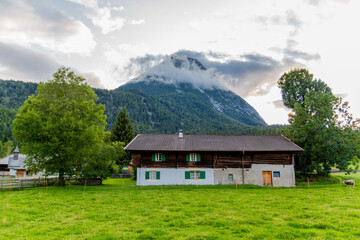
<point x="163" y="157"/>
<point x="158" y="175"/>
<point x="147" y="175"/>
<point x="202" y="175"/>
<point x="188" y="157"/>
<point x="198" y="157"/>
<point x="153" y="157"/>
<point x="187" y="174"/>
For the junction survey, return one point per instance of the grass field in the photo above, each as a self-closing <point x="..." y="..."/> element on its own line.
<point x="120" y="210"/>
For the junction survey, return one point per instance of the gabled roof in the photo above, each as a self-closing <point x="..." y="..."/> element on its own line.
<point x="172" y="142"/>
<point x="14" y="164"/>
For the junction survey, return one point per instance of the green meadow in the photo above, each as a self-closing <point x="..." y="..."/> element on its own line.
<point x="325" y="209"/>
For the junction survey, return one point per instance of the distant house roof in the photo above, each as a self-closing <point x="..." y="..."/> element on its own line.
<point x="14" y="164"/>
<point x="172" y="142"/>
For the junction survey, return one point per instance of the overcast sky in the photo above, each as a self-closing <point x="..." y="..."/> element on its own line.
<point x="246" y="45"/>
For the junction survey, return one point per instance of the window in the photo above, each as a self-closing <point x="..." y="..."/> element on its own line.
<point x="16" y="155"/>
<point x="230" y="177"/>
<point x="194" y="175"/>
<point x="152" y="175"/>
<point x="158" y="157"/>
<point x="276" y="174"/>
<point x="193" y="157"/>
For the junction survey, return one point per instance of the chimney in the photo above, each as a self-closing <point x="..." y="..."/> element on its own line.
<point x="181" y="135"/>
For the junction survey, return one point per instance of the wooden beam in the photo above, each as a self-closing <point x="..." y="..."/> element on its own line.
<point x="243" y="172"/>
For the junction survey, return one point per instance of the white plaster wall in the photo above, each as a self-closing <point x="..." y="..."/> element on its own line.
<point x="221" y="175"/>
<point x="286" y="179"/>
<point x="173" y="176"/>
<point x="254" y="175"/>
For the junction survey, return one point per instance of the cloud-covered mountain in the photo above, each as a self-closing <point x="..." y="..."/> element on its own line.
<point x="180" y="78"/>
<point x="247" y="75"/>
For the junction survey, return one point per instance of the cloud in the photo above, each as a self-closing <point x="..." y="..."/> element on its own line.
<point x="93" y="80"/>
<point x="320" y="2"/>
<point x="137" y="22"/>
<point x="279" y="105"/>
<point x="248" y="75"/>
<point x="20" y="63"/>
<point x="25" y="64"/>
<point x="290" y="18"/>
<point x="43" y="26"/>
<point x="341" y="95"/>
<point x="101" y="16"/>
<point x="295" y="54"/>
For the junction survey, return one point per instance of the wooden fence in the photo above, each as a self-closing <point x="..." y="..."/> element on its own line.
<point x="18" y="183"/>
<point x="122" y="175"/>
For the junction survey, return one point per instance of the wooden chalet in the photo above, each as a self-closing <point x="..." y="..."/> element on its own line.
<point x="167" y="159"/>
<point x="13" y="165"/>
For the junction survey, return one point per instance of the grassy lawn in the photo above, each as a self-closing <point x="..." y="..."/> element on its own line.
<point x="120" y="210"/>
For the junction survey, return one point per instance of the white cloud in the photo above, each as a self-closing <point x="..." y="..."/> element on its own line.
<point x="101" y="16"/>
<point x="138" y="22"/>
<point x="21" y="63"/>
<point x="27" y="25"/>
<point x="121" y="8"/>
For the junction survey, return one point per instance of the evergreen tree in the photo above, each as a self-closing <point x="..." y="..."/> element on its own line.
<point x="123" y="130"/>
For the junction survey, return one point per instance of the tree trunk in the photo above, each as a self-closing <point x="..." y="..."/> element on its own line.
<point x="61" y="178"/>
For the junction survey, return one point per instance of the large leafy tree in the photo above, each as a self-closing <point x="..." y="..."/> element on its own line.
<point x="320" y="123"/>
<point x="296" y="84"/>
<point x="61" y="127"/>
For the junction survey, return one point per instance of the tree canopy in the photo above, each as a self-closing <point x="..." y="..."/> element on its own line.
<point x="296" y="84"/>
<point x="320" y="123"/>
<point x="61" y="127"/>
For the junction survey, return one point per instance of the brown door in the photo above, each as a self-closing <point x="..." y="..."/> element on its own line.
<point x="267" y="178"/>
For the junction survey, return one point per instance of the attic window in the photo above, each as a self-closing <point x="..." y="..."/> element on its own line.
<point x="158" y="157"/>
<point x="16" y="156"/>
<point x="193" y="157"/>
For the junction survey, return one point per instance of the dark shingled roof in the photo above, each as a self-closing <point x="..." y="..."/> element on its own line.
<point x="172" y="142"/>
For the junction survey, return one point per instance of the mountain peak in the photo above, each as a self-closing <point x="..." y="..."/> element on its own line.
<point x="182" y="61"/>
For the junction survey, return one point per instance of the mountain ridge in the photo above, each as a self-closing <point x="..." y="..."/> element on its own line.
<point x="159" y="101"/>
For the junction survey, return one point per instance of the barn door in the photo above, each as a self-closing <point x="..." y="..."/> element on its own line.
<point x="267" y="178"/>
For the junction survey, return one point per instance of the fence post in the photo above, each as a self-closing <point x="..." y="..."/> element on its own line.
<point x="19" y="184"/>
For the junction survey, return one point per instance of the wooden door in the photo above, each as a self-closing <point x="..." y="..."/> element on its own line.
<point x="267" y="179"/>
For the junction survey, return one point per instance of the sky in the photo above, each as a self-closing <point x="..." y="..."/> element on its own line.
<point x="245" y="45"/>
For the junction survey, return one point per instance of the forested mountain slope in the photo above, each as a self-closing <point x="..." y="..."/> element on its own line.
<point x="161" y="113"/>
<point x="160" y="102"/>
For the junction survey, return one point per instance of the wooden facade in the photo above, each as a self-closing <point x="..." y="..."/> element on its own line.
<point x="144" y="159"/>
